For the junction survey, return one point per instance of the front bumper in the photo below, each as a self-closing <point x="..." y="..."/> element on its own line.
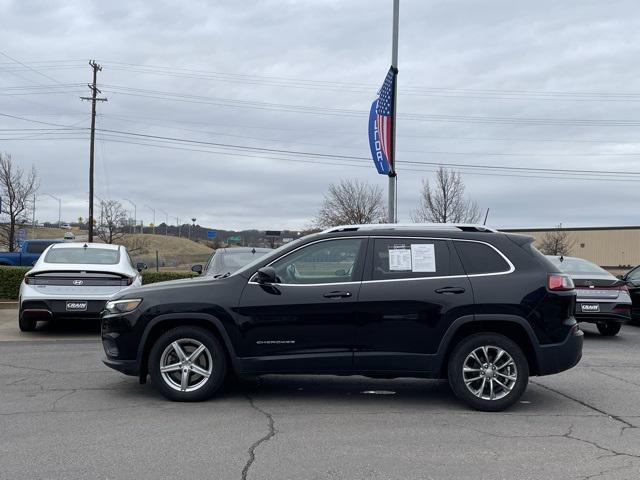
<point x="560" y="356"/>
<point x="128" y="367"/>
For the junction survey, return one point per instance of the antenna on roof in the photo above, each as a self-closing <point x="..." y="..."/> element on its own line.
<point x="86" y="246"/>
<point x="562" y="258"/>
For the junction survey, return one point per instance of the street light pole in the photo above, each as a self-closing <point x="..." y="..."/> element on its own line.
<point x="178" y="225"/>
<point x="194" y="226"/>
<point x="59" y="207"/>
<point x="135" y="213"/>
<point x="166" y="223"/>
<point x="154" y="218"/>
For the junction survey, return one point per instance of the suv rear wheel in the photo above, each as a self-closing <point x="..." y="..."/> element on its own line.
<point x="608" y="329"/>
<point x="187" y="364"/>
<point x="488" y="371"/>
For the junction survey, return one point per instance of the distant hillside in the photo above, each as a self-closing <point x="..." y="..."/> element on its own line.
<point x="173" y="252"/>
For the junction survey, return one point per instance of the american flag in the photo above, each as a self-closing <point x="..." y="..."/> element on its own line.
<point x="381" y="126"/>
<point x="384" y="112"/>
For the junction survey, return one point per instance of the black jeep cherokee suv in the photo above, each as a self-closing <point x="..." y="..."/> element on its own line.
<point x="481" y="308"/>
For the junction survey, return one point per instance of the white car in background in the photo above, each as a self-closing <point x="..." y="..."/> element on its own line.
<point x="74" y="280"/>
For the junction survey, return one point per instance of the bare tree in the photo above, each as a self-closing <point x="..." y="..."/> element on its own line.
<point x="113" y="221"/>
<point x="557" y="242"/>
<point x="445" y="202"/>
<point x="351" y="202"/>
<point x="17" y="189"/>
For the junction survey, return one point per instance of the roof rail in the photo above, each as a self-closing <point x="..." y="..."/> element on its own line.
<point x="464" y="227"/>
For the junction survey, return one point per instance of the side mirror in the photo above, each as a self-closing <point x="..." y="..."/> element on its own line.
<point x="266" y="275"/>
<point x="197" y="269"/>
<point x="141" y="266"/>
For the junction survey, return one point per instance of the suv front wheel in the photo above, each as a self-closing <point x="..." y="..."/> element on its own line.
<point x="488" y="371"/>
<point x="187" y="364"/>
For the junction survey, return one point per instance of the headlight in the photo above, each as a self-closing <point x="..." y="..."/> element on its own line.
<point x="122" y="306"/>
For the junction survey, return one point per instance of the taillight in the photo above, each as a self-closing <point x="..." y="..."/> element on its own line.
<point x="559" y="282"/>
<point x="27" y="280"/>
<point x="623" y="288"/>
<point x="129" y="280"/>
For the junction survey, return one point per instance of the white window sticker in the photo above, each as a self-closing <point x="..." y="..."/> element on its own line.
<point x="423" y="257"/>
<point x="399" y="258"/>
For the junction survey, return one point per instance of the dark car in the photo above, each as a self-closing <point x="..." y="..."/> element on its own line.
<point x="481" y="308"/>
<point x="632" y="280"/>
<point x="228" y="260"/>
<point x="602" y="299"/>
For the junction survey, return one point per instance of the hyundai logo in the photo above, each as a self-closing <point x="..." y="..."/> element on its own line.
<point x="78" y="282"/>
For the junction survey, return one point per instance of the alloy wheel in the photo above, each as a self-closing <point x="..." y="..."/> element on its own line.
<point x="186" y="365"/>
<point x="489" y="372"/>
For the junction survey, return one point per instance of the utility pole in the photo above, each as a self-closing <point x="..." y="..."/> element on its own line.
<point x="59" y="207"/>
<point x="135" y="214"/>
<point x="393" y="177"/>
<point x="94" y="91"/>
<point x="166" y="223"/>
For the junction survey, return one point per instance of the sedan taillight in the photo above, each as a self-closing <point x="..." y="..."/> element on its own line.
<point x="558" y="282"/>
<point x="27" y="280"/>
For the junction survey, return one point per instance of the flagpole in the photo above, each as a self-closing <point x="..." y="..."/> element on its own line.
<point x="393" y="178"/>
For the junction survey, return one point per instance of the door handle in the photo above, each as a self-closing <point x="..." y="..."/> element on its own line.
<point x="450" y="290"/>
<point x="337" y="294"/>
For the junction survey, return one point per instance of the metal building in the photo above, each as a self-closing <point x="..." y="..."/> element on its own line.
<point x="616" y="249"/>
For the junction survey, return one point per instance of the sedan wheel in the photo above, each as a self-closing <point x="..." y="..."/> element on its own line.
<point x="187" y="364"/>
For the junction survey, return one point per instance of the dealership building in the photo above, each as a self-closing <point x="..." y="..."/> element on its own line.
<point x="616" y="249"/>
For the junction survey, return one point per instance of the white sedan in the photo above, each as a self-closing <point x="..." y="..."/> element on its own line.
<point x="74" y="280"/>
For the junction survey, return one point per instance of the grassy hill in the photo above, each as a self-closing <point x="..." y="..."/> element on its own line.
<point x="173" y="252"/>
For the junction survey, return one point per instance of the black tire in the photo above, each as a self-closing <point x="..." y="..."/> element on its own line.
<point x="187" y="337"/>
<point x="608" y="329"/>
<point x="508" y="396"/>
<point x="26" y="324"/>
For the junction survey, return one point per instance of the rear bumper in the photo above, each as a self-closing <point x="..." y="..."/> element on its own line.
<point x="617" y="312"/>
<point x="57" y="309"/>
<point x="560" y="356"/>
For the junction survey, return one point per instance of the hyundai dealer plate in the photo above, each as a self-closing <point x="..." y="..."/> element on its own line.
<point x="76" y="306"/>
<point x="590" y="307"/>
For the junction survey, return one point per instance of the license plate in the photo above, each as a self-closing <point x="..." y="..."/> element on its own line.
<point x="76" y="306"/>
<point x="590" y="307"/>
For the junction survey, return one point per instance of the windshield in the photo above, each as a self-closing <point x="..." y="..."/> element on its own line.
<point x="273" y="253"/>
<point x="95" y="256"/>
<point x="577" y="266"/>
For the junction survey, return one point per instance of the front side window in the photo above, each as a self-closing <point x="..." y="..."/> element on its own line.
<point x="634" y="275"/>
<point x="95" y="256"/>
<point x="397" y="258"/>
<point x="331" y="261"/>
<point x="480" y="258"/>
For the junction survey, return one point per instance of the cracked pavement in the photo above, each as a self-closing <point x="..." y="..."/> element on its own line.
<point x="63" y="415"/>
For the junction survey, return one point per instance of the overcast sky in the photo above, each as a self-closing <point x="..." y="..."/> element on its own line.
<point x="543" y="85"/>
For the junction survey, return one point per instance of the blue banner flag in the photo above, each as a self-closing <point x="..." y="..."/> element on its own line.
<point x="381" y="125"/>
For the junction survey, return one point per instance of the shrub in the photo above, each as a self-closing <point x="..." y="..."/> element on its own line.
<point x="154" y="277"/>
<point x="10" y="280"/>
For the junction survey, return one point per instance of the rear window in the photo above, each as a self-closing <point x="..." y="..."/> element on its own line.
<point x="577" y="266"/>
<point x="480" y="258"/>
<point x="37" y="247"/>
<point x="93" y="256"/>
<point x="236" y="260"/>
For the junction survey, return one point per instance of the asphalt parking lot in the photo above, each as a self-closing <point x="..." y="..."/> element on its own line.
<point x="63" y="415"/>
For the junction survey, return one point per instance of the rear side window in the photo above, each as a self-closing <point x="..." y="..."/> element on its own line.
<point x="37" y="247"/>
<point x="479" y="258"/>
<point x="397" y="258"/>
